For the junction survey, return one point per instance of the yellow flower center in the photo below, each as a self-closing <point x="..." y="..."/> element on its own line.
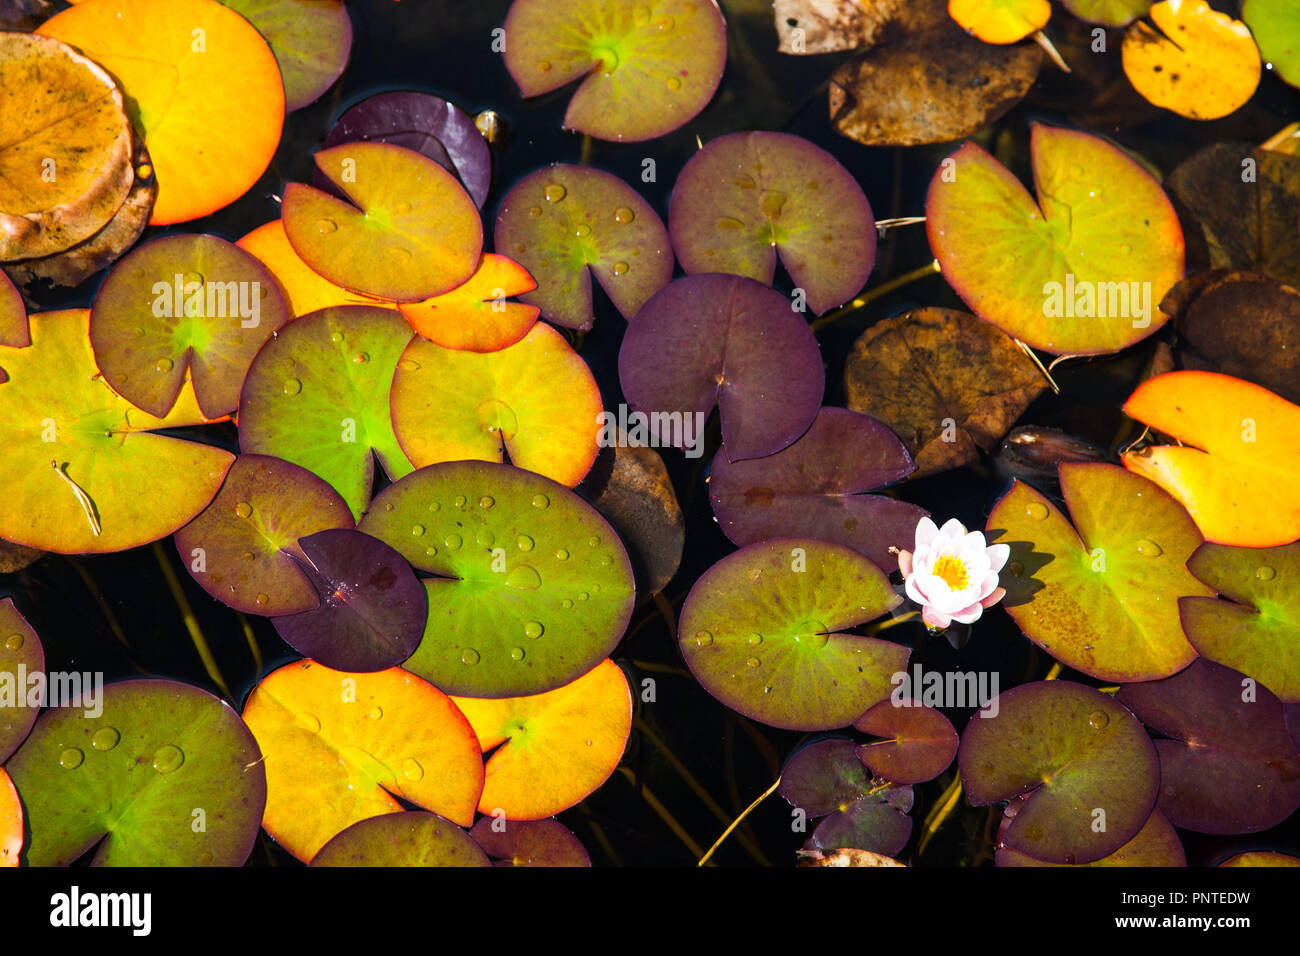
<point x="952" y="570"/>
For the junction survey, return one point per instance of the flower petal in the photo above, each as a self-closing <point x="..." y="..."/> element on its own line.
<point x="988" y="585"/>
<point x="998" y="554"/>
<point x="952" y="528"/>
<point x="935" y="618"/>
<point x="994" y="598"/>
<point x="926" y="531"/>
<point x="975" y="540"/>
<point x="913" y="587"/>
<point x="905" y="562"/>
<point x="969" y="615"/>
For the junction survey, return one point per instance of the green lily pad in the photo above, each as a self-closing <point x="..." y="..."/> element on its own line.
<point x="1108" y="13"/>
<point x="1276" y="27"/>
<point x="1089" y="768"/>
<point x="179" y="304"/>
<point x="748" y="197"/>
<point x="81" y="473"/>
<point x="649" y="67"/>
<point x="763" y="632"/>
<point x="529" y="843"/>
<point x="317" y="395"/>
<point x="1082" y="270"/>
<point x="410" y="231"/>
<point x="1256" y="630"/>
<point x="21" y="654"/>
<point x="240" y="548"/>
<point x="534" y="587"/>
<point x="566" y="223"/>
<point x="411" y="838"/>
<point x="135" y="782"/>
<point x="311" y="41"/>
<point x="1102" y="599"/>
<point x="1156" y="844"/>
<point x="535" y="401"/>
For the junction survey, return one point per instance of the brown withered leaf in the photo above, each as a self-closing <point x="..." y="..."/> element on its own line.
<point x="845" y="858"/>
<point x="631" y="488"/>
<point x="15" y="557"/>
<point x="927" y="366"/>
<point x="73" y="266"/>
<point x="25" y="15"/>
<point x="829" y="26"/>
<point x="1243" y="324"/>
<point x="923" y="79"/>
<point x="1238" y="214"/>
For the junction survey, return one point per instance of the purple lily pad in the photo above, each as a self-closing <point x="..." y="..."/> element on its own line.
<point x="813" y="488"/>
<point x="1293" y="724"/>
<point x="1229" y="765"/>
<point x="748" y="197"/>
<point x="1088" y="769"/>
<point x="727" y="340"/>
<point x="919" y="742"/>
<point x="565" y="223"/>
<point x="529" y="843"/>
<point x="1156" y="844"/>
<point x="428" y="124"/>
<point x="311" y="42"/>
<point x="372" y="606"/>
<point x="825" y="779"/>
<point x="21" y="652"/>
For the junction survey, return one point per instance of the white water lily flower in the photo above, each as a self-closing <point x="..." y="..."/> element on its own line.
<point x="952" y="573"/>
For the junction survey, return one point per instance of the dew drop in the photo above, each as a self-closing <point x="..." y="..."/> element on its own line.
<point x="533" y="629"/>
<point x="409" y="365"/>
<point x="540" y="501"/>
<point x="398" y="254"/>
<point x="1016" y="568"/>
<point x="431" y="552"/>
<point x="13" y="642"/>
<point x="729" y="222"/>
<point x="71" y="758"/>
<point x="486" y="502"/>
<point x="593" y="541"/>
<point x="412" y="770"/>
<point x="139" y="331"/>
<point x="388" y="506"/>
<point x="756" y="639"/>
<point x="566" y="604"/>
<point x="516" y="653"/>
<point x="375" y="713"/>
<point x="292" y="386"/>
<point x="326" y="226"/>
<point x="753" y="662"/>
<point x="361" y="358"/>
<point x="1265" y="573"/>
<point x="619" y="268"/>
<point x="1036" y="510"/>
<point x="623" y="215"/>
<point x="674" y="83"/>
<point x="524" y="542"/>
<point x="1149" y="549"/>
<point x="1125" y="248"/>
<point x="435" y="506"/>
<point x="485" y="538"/>
<point x="524" y="578"/>
<point x="583" y="595"/>
<point x="812" y="634"/>
<point x="665" y="24"/>
<point x="163" y="365"/>
<point x="261" y="600"/>
<point x="606" y="560"/>
<point x="1098" y="719"/>
<point x="581" y="230"/>
<point x="469" y="656"/>
<point x="453" y="542"/>
<point x="640" y="16"/>
<point x="417" y="530"/>
<point x="243" y="509"/>
<point x="535" y="211"/>
<point x="336" y="337"/>
<point x="703" y="638"/>
<point x="745" y="182"/>
<point x="249" y="556"/>
<point x="167" y="758"/>
<point x="554" y="192"/>
<point x="562" y="554"/>
<point x="460" y="501"/>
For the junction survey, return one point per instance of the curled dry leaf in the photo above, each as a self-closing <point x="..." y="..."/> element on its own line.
<point x="845" y="857"/>
<point x="945" y="382"/>
<point x="827" y="26"/>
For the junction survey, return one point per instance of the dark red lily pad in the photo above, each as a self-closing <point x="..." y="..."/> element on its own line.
<point x="565" y="223"/>
<point x="1156" y="844"/>
<point x="727" y="340"/>
<point x="814" y="487"/>
<point x="409" y="838"/>
<point x="1088" y="768"/>
<point x="428" y="124"/>
<point x="748" y="197"/>
<point x="21" y="652"/>
<point x="529" y="843"/>
<point x="372" y="606"/>
<point x="1229" y="765"/>
<point x="919" y="742"/>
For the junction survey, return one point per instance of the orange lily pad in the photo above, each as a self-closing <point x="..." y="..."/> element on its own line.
<point x="411" y="231"/>
<point x="304" y="290"/>
<point x="475" y="315"/>
<point x="1235" y="469"/>
<point x="1000" y="21"/>
<point x="11" y="822"/>
<point x="553" y="749"/>
<point x="13" y="317"/>
<point x="201" y="85"/>
<point x="341" y="747"/>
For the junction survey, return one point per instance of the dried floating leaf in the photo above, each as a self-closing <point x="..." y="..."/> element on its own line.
<point x="945" y="382"/>
<point x="827" y="26"/>
<point x="845" y="857"/>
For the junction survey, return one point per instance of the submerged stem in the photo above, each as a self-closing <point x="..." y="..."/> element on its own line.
<point x="736" y="822"/>
<point x="191" y="622"/>
<point x="931" y="268"/>
<point x="940" y="812"/>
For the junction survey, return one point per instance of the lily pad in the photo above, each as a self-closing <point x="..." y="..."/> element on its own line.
<point x="240" y="548"/>
<point x="211" y="112"/>
<point x="1156" y="844"/>
<point x="763" y="631"/>
<point x="535" y="401"/>
<point x="1234" y="451"/>
<point x="553" y="749"/>
<point x="1229" y="766"/>
<point x="21" y="655"/>
<point x="11" y="822"/>
<point x="533" y="588"/>
<point x="825" y="779"/>
<point x="406" y="231"/>
<point x="65" y="165"/>
<point x="945" y="382"/>
<point x="1090" y="770"/>
<point x="191" y="303"/>
<point x="311" y="41"/>
<point x="565" y="224"/>
<point x="13" y="317"/>
<point x="428" y="124"/>
<point x="372" y="606"/>
<point x="1001" y="21"/>
<point x="305" y="291"/>
<point x="317" y="395"/>
<point x="748" y="197"/>
<point x="529" y="843"/>
<point x="15" y="557"/>
<point x="725" y="340"/>
<point x="1102" y="596"/>
<point x="1108" y="13"/>
<point x="412" y="838"/>
<point x="1080" y="271"/>
<point x="340" y="747"/>
<point x="1256" y="630"/>
<point x="1275" y="25"/>
<point x="813" y="488"/>
<point x="82" y="474"/>
<point x="132" y="782"/>
<point x="1261" y="858"/>
<point x="918" y="742"/>
<point x="475" y="315"/>
<point x="648" y="68"/>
